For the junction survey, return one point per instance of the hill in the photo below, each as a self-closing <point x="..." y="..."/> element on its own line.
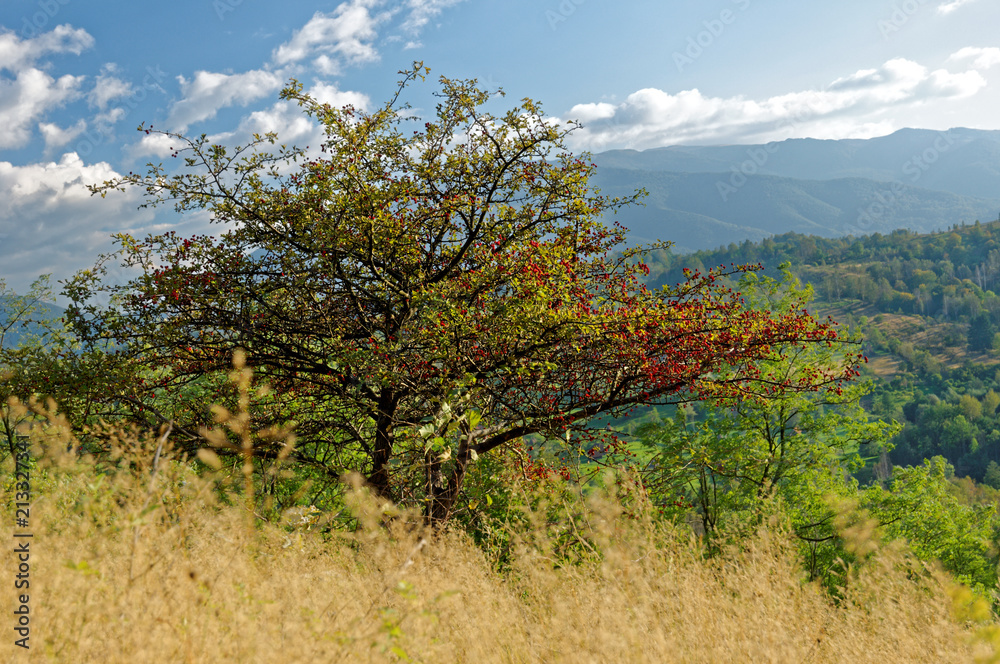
<point x="11" y="335"/>
<point x="960" y="161"/>
<point x="928" y="308"/>
<point x="703" y="197"/>
<point x="689" y="209"/>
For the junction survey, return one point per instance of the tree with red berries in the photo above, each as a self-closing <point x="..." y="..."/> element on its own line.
<point x="418" y="297"/>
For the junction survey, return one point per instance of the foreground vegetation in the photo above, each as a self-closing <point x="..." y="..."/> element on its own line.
<point x="143" y="559"/>
<point x="442" y="319"/>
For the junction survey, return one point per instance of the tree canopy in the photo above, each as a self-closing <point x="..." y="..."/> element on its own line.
<point x="730" y="462"/>
<point x="419" y="292"/>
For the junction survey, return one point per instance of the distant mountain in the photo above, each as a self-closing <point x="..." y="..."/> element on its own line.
<point x="962" y="161"/>
<point x="702" y="197"/>
<point x="688" y="209"/>
<point x="13" y="336"/>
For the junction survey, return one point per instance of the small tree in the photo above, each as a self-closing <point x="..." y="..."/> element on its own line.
<point x="40" y="358"/>
<point x="21" y="335"/>
<point x="922" y="507"/>
<point x="981" y="333"/>
<point x="733" y="460"/>
<point x="419" y="298"/>
<point x="992" y="476"/>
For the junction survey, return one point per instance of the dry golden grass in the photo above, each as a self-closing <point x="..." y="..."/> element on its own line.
<point x="126" y="568"/>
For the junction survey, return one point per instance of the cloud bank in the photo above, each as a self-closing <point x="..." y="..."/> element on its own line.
<point x="28" y="92"/>
<point x="850" y="106"/>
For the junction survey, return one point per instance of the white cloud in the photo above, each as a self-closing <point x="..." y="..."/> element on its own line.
<point x="27" y="98"/>
<point x="330" y="94"/>
<point x="591" y="112"/>
<point x="851" y="106"/>
<point x="421" y="12"/>
<point x="982" y="58"/>
<point x="49" y="185"/>
<point x="154" y="144"/>
<point x="31" y="92"/>
<point x="56" y="137"/>
<point x="327" y="66"/>
<point x="949" y="7"/>
<point x="108" y="88"/>
<point x="284" y="118"/>
<point x="105" y="120"/>
<point x="331" y="41"/>
<point x="49" y="222"/>
<point x="208" y="92"/>
<point x="17" y="53"/>
<point x="343" y="36"/>
<point x="346" y="36"/>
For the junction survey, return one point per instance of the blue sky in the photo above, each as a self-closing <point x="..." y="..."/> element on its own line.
<point x="77" y="77"/>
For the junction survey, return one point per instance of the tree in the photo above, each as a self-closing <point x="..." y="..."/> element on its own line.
<point x="40" y="358"/>
<point x="990" y="402"/>
<point x="418" y="299"/>
<point x="970" y="406"/>
<point x="981" y="332"/>
<point x="992" y="476"/>
<point x="22" y="334"/>
<point x="921" y="507"/>
<point x="736" y="458"/>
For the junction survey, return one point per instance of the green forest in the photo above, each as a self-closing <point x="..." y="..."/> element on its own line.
<point x="433" y="315"/>
<point x="926" y="308"/>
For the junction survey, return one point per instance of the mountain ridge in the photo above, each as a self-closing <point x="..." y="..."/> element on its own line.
<point x="703" y="197"/>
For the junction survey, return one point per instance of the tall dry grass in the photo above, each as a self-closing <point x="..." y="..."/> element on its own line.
<point x="134" y="566"/>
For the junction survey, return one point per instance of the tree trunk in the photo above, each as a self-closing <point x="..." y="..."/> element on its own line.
<point x="441" y="494"/>
<point x="384" y="440"/>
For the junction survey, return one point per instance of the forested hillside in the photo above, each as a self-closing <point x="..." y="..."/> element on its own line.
<point x="961" y="161"/>
<point x="696" y="209"/>
<point x="928" y="308"/>
<point x="916" y="179"/>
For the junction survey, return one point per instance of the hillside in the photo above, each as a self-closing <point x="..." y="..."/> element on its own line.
<point x="11" y="335"/>
<point x="960" y="161"/>
<point x="703" y="197"/>
<point x="688" y="209"/>
<point x="928" y="309"/>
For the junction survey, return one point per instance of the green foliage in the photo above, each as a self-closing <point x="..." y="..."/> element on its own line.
<point x="921" y="507"/>
<point x="981" y="333"/>
<point x="797" y="447"/>
<point x="936" y="312"/>
<point x="952" y="275"/>
<point x="41" y="359"/>
<point x="992" y="476"/>
<point x="961" y="427"/>
<point x="418" y="299"/>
